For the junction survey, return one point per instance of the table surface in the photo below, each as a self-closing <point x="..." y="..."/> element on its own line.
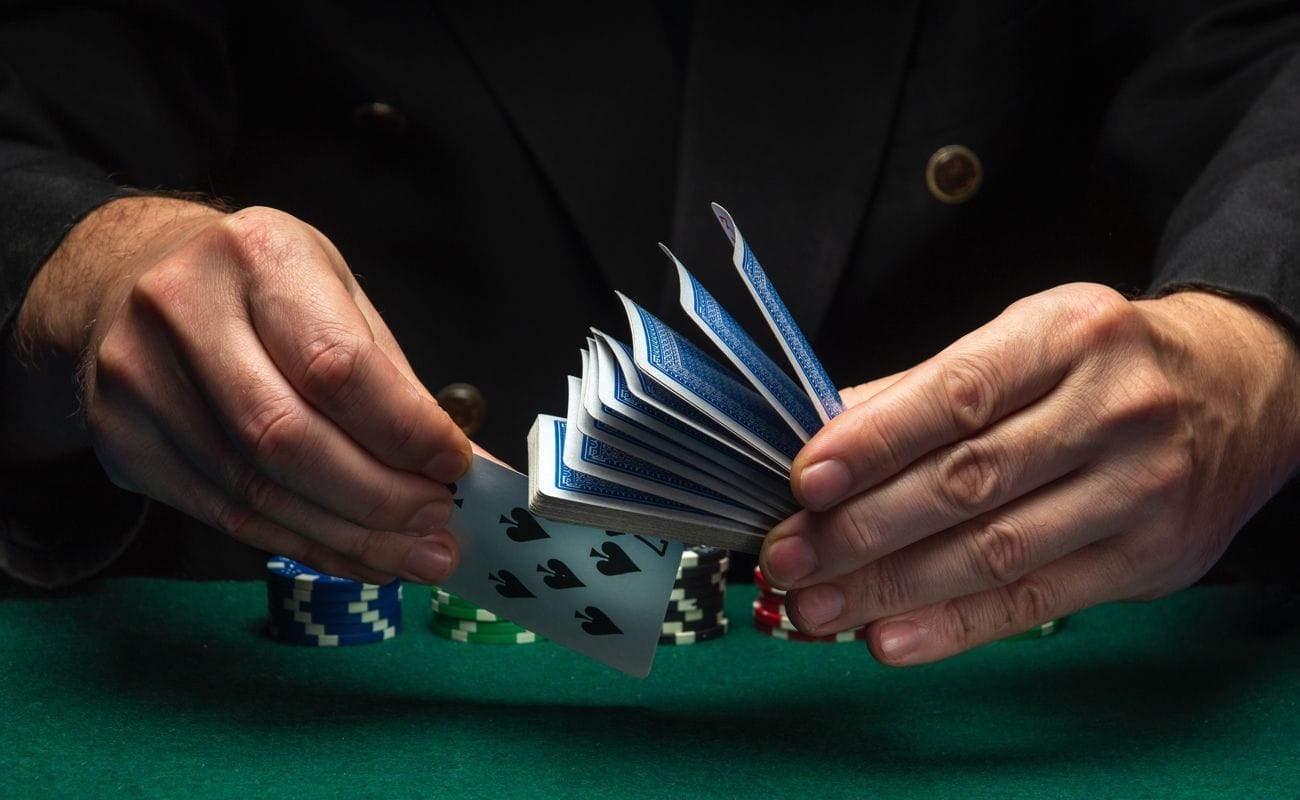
<point x="147" y="688"/>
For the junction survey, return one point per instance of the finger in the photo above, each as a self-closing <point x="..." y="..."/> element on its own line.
<point x="1096" y="574"/>
<point x="986" y="553"/>
<point x="300" y="301"/>
<point x="330" y="355"/>
<point x="287" y="440"/>
<point x="854" y="395"/>
<point x="981" y="378"/>
<point x="951" y="485"/>
<point x="191" y="466"/>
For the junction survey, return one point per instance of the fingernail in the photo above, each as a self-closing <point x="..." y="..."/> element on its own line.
<point x="430" y="563"/>
<point x="824" y="484"/>
<point x="447" y="466"/>
<point x="429" y="518"/>
<point x="898" y="640"/>
<point x="789" y="560"/>
<point x="818" y="605"/>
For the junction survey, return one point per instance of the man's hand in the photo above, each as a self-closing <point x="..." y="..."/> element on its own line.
<point x="234" y="369"/>
<point x="1078" y="449"/>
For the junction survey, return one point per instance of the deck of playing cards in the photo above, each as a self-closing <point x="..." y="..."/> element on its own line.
<point x="661" y="439"/>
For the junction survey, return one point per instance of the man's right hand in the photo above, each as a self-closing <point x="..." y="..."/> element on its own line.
<point x="234" y="369"/>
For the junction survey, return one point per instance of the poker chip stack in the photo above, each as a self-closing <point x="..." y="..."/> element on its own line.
<point x="311" y="608"/>
<point x="770" y="617"/>
<point x="695" y="608"/>
<point x="460" y="620"/>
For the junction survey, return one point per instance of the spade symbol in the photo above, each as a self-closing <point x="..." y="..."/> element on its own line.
<point x="459" y="501"/>
<point x="523" y="528"/>
<point x="612" y="560"/>
<point x="559" y="576"/>
<point x="596" y="622"/>
<point x="508" y="585"/>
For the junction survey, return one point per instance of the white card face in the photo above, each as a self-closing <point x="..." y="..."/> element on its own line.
<point x="600" y="593"/>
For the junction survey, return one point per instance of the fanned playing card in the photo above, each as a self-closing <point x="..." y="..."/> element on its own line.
<point x="597" y="591"/>
<point x="662" y="440"/>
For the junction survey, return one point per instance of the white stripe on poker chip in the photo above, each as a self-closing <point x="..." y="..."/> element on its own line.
<point x="691" y="557"/>
<point x="690" y="592"/>
<point x="689" y="637"/>
<point x="332" y="640"/>
<point x="365" y="617"/>
<point x="471" y="626"/>
<point x="721" y="566"/>
<point x="308" y="596"/>
<point x="676" y="627"/>
<point x="527" y="637"/>
<point x="695" y="603"/>
<point x="480" y="614"/>
<point x="306" y="607"/>
<point x="694" y="615"/>
<point x="714" y="577"/>
<point x="315" y="629"/>
<point x="780" y="633"/>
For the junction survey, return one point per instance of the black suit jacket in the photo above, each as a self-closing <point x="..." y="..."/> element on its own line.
<point x="493" y="174"/>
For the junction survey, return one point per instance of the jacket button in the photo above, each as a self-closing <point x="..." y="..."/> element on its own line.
<point x="464" y="403"/>
<point x="954" y="174"/>
<point x="379" y="117"/>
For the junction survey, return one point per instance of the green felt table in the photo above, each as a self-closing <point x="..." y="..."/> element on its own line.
<point x="148" y="688"/>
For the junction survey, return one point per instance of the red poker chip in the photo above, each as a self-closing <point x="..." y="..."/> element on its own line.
<point x="762" y="583"/>
<point x="854" y="635"/>
<point x="770" y="605"/>
<point x="772" y="619"/>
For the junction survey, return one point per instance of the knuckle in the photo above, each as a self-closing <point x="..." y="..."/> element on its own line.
<point x="117" y="366"/>
<point x="235" y="521"/>
<point x="276" y="433"/>
<point x="383" y="511"/>
<point x="971" y="476"/>
<point x="1028" y="601"/>
<point x="970" y="393"/>
<point x="880" y="452"/>
<point x="1096" y="313"/>
<point x="256" y="238"/>
<point x="999" y="552"/>
<point x="859" y="534"/>
<point x="887" y="591"/>
<point x="366" y="548"/>
<point x="331" y="360"/>
<point x="257" y="491"/>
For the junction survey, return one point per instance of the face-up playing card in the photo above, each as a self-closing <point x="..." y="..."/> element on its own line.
<point x="599" y="592"/>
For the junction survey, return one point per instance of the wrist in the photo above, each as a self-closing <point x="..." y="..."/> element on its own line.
<point x="1246" y="365"/>
<point x="92" y="266"/>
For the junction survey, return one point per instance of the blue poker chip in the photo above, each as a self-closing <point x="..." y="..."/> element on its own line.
<point x="366" y="618"/>
<point x="285" y="602"/>
<point x="333" y="597"/>
<point x="297" y="628"/>
<point x="303" y="578"/>
<point x="330" y="640"/>
<point x="284" y="609"/>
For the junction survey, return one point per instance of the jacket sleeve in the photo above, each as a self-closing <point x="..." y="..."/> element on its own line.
<point x="1208" y="134"/>
<point x="95" y="98"/>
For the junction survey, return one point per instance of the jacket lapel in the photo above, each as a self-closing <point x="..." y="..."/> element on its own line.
<point x="594" y="94"/>
<point x="787" y="113"/>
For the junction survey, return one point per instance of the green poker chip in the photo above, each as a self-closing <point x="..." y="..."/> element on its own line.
<point x="523" y="637"/>
<point x="467" y="612"/>
<point x="474" y="626"/>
